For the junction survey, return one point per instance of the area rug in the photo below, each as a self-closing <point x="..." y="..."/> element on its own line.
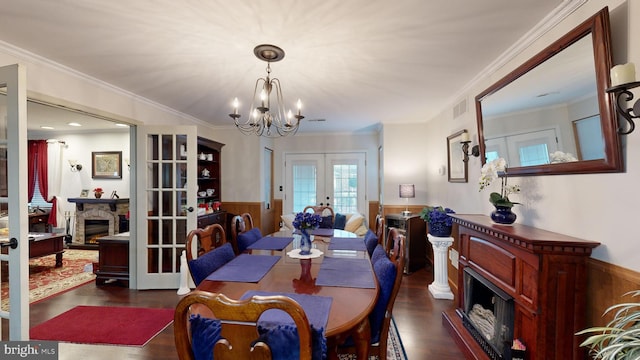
<point x="46" y="280"/>
<point x="395" y="349"/>
<point x="110" y="325"/>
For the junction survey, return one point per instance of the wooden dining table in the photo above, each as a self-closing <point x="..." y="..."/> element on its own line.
<point x="350" y="306"/>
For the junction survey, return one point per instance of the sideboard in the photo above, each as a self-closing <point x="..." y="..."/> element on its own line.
<point x="545" y="273"/>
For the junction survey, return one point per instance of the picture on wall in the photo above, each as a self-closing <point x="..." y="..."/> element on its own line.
<point x="106" y="165"/>
<point x="456" y="164"/>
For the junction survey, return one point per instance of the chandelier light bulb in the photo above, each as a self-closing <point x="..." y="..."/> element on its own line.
<point x="235" y="105"/>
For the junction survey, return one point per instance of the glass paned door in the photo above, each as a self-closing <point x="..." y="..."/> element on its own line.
<point x="336" y="180"/>
<point x="13" y="200"/>
<point x="166" y="191"/>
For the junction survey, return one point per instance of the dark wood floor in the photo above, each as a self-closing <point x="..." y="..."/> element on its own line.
<point x="416" y="312"/>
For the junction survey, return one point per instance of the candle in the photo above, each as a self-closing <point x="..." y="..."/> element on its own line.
<point x="623" y="74"/>
<point x="465" y="137"/>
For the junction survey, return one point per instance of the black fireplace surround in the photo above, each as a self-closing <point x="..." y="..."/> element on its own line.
<point x="488" y="315"/>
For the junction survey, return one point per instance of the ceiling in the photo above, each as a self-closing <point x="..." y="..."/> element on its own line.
<point x="355" y="64"/>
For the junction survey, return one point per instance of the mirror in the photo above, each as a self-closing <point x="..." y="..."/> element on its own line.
<point x="552" y="114"/>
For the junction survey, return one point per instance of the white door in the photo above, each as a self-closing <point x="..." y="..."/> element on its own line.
<point x="334" y="179"/>
<point x="13" y="197"/>
<point x="166" y="199"/>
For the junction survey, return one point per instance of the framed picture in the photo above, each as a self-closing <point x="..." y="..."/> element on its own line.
<point x="457" y="166"/>
<point x="84" y="193"/>
<point x="106" y="165"/>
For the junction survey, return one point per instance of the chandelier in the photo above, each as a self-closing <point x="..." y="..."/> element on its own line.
<point x="265" y="120"/>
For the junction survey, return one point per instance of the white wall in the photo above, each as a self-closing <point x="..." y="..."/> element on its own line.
<point x="598" y="207"/>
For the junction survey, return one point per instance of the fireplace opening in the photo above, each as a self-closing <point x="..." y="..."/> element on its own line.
<point x="94" y="229"/>
<point x="488" y="315"/>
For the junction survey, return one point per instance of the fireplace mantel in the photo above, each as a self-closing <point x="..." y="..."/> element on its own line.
<point x="111" y="202"/>
<point x="545" y="273"/>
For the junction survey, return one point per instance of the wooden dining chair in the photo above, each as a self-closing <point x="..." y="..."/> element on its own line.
<point x="388" y="270"/>
<point x="379" y="229"/>
<point x="243" y="233"/>
<point x="200" y="241"/>
<point x="211" y="323"/>
<point x="207" y="250"/>
<point x="326" y="212"/>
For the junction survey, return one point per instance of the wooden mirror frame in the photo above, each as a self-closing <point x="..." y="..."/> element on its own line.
<point x="598" y="26"/>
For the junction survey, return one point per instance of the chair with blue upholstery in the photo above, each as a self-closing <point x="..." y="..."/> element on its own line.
<point x="388" y="267"/>
<point x="208" y="325"/>
<point x="243" y="233"/>
<point x="207" y="250"/>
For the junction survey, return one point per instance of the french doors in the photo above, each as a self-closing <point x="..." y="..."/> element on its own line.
<point x="166" y="198"/>
<point x="13" y="198"/>
<point x="333" y="179"/>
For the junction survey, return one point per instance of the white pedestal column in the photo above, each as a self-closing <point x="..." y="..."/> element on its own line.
<point x="440" y="287"/>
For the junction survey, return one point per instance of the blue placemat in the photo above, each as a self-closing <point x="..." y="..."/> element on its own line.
<point x="341" y="272"/>
<point x="338" y="243"/>
<point x="271" y="243"/>
<point x="245" y="268"/>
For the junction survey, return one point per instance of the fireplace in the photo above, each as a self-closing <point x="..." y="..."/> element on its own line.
<point x="98" y="217"/>
<point x="533" y="282"/>
<point x="94" y="229"/>
<point x="488" y="315"/>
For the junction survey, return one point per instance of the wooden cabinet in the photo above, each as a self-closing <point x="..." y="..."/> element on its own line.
<point x="38" y="222"/>
<point x="209" y="183"/>
<point x="414" y="230"/>
<point x="113" y="263"/>
<point x="544" y="272"/>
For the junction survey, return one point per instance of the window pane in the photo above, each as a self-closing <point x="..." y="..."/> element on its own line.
<point x="345" y="188"/>
<point x="304" y="186"/>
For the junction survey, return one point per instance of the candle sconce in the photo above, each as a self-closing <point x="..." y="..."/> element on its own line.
<point x="622" y="96"/>
<point x="475" y="150"/>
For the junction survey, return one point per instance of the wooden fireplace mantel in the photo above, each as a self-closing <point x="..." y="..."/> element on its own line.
<point x="545" y="273"/>
<point x="111" y="202"/>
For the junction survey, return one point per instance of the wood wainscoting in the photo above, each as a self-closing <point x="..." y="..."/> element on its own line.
<point x="262" y="217"/>
<point x="606" y="285"/>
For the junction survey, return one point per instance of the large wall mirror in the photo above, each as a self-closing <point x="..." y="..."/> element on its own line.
<point x="552" y="115"/>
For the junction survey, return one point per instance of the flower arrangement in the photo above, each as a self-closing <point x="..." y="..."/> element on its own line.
<point x="438" y="220"/>
<point x="489" y="173"/>
<point x="305" y="220"/>
<point x="98" y="190"/>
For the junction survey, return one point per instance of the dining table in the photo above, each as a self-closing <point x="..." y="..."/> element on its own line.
<point x="352" y="292"/>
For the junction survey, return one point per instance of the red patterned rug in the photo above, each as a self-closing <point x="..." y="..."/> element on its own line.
<point x="46" y="280"/>
<point x="113" y="325"/>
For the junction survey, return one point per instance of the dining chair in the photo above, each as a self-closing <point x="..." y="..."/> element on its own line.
<point x="207" y="250"/>
<point x="241" y="224"/>
<point x="379" y="229"/>
<point x="388" y="269"/>
<point x="200" y="241"/>
<point x="326" y="212"/>
<point x="209" y="325"/>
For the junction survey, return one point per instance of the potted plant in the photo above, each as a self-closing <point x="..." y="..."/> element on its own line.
<point x="439" y="222"/>
<point x="98" y="192"/>
<point x="620" y="338"/>
<point x="490" y="172"/>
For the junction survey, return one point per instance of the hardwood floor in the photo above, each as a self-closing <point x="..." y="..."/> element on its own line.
<point x="416" y="312"/>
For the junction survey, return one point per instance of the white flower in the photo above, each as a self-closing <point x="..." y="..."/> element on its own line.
<point x="561" y="157"/>
<point x="489" y="173"/>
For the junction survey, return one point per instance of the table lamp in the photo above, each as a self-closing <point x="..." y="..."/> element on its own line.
<point x="407" y="191"/>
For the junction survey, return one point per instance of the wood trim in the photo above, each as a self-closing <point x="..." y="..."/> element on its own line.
<point x="606" y="285"/>
<point x="374" y="210"/>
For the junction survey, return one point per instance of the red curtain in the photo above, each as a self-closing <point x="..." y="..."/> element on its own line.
<point x="38" y="162"/>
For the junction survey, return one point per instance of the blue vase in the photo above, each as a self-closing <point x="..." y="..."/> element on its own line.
<point x="439" y="229"/>
<point x="503" y="215"/>
<point x="305" y="242"/>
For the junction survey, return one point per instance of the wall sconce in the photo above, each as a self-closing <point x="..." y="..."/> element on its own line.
<point x="75" y="167"/>
<point x="475" y="150"/>
<point x="407" y="191"/>
<point x="623" y="79"/>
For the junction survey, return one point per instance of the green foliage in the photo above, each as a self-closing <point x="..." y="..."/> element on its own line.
<point x="620" y="339"/>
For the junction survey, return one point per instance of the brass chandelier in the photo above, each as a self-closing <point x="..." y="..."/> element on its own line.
<point x="265" y="120"/>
